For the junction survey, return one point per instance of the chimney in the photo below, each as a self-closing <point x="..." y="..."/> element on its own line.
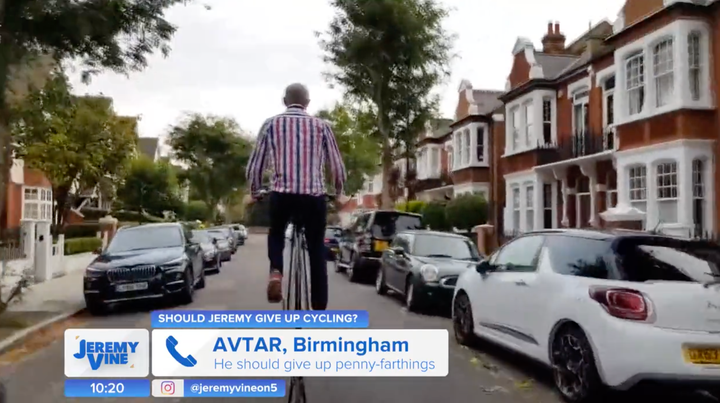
<point x="553" y="41"/>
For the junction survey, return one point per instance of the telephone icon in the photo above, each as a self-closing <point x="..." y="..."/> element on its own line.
<point x="188" y="361"/>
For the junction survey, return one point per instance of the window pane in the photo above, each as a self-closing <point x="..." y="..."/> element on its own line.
<point x="578" y="256"/>
<point x="520" y="253"/>
<point x="669" y="259"/>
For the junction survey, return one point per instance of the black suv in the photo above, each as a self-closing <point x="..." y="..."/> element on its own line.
<point x="363" y="243"/>
<point x="145" y="262"/>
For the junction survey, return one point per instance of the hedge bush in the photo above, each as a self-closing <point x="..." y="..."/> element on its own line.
<point x="466" y="211"/>
<point x="434" y="216"/>
<point x="82" y="245"/>
<point x="84" y="230"/>
<point x="196" y="210"/>
<point x="413" y="206"/>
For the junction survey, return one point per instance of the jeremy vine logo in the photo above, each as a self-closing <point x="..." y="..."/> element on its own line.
<point x="107" y="352"/>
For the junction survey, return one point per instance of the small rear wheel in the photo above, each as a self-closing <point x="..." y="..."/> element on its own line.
<point x="201" y="283"/>
<point x="186" y="294"/>
<point x="380" y="285"/>
<point x="352" y="273"/>
<point x="411" y="296"/>
<point x="574" y="371"/>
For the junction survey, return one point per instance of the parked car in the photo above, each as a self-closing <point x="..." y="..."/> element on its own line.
<point x="365" y="240"/>
<point x="211" y="257"/>
<point x="601" y="309"/>
<point x="222" y="244"/>
<point x="145" y="262"/>
<point x="229" y="235"/>
<point x="424" y="266"/>
<point x="332" y="241"/>
<point x="240" y="233"/>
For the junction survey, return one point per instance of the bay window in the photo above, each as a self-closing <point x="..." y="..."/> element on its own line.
<point x="480" y="144"/>
<point x="37" y="204"/>
<point x="635" y="83"/>
<point x="694" y="65"/>
<point x="515" y="125"/>
<point x="638" y="186"/>
<point x="667" y="192"/>
<point x="466" y="147"/>
<point x="528" y="116"/>
<point x="547" y="120"/>
<point x="663" y="72"/>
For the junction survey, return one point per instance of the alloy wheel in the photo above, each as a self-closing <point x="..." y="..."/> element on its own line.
<point x="462" y="319"/>
<point x="570" y="366"/>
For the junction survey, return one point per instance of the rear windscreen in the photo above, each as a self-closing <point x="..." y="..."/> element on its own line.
<point x="669" y="260"/>
<point x="387" y="225"/>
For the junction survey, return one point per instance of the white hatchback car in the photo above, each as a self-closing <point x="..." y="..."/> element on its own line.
<point x="602" y="309"/>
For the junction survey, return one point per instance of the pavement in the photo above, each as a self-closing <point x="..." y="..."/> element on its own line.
<point x="34" y="373"/>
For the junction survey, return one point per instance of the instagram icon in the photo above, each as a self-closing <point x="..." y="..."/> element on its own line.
<point x="167" y="388"/>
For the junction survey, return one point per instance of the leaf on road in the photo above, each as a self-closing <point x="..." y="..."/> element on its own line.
<point x="526" y="384"/>
<point x="493" y="389"/>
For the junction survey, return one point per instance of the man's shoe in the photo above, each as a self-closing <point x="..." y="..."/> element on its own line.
<point x="274" y="289"/>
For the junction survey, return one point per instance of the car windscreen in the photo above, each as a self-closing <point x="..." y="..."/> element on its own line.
<point x="218" y="235"/>
<point x="200" y="236"/>
<point x="667" y="259"/>
<point x="146" y="238"/>
<point x="444" y="247"/>
<point x="333" y="233"/>
<point x="388" y="224"/>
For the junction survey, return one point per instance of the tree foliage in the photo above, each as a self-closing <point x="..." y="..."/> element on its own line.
<point x="117" y="35"/>
<point x="216" y="154"/>
<point x="78" y="142"/>
<point x="390" y="54"/>
<point x="466" y="211"/>
<point x="150" y="187"/>
<point x="356" y="143"/>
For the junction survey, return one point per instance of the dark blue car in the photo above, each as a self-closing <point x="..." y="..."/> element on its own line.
<point x="332" y="241"/>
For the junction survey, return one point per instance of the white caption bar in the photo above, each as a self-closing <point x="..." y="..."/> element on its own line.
<point x="284" y="353"/>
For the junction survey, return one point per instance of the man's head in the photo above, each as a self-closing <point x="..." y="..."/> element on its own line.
<point x="296" y="94"/>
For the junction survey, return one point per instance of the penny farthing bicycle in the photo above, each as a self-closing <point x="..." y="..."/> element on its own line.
<point x="297" y="295"/>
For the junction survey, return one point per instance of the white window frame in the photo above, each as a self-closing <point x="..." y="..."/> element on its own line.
<point x="516" y="207"/>
<point x="529" y="207"/>
<point x="637" y="183"/>
<point x="515" y="128"/>
<point x="663" y="71"/>
<point x="694" y="47"/>
<point x="528" y="120"/>
<point x="635" y="85"/>
<point x="698" y="183"/>
<point x="666" y="185"/>
<point x="467" y="146"/>
<point x="42" y="203"/>
<point x="480" y="143"/>
<point x="547" y="118"/>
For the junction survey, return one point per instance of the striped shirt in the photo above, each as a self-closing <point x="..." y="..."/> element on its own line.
<point x="295" y="146"/>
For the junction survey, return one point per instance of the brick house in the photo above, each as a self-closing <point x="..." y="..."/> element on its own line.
<point x="28" y="197"/>
<point x="617" y="127"/>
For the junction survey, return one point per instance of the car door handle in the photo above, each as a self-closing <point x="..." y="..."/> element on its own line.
<point x="521" y="283"/>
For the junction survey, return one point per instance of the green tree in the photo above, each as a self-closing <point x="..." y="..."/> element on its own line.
<point x="150" y="187"/>
<point x="388" y="53"/>
<point x="357" y="146"/>
<point x="78" y="142"/>
<point x="118" y="35"/>
<point x="196" y="210"/>
<point x="216" y="154"/>
<point x="466" y="211"/>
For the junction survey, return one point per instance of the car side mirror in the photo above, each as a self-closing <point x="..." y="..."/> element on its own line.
<point x="97" y="251"/>
<point x="398" y="251"/>
<point x="484" y="267"/>
<point x="214" y="241"/>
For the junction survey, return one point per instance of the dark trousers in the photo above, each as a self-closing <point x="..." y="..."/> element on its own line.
<point x="310" y="213"/>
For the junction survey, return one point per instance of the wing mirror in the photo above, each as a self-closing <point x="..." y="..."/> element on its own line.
<point x="98" y="251"/>
<point x="484" y="267"/>
<point x="214" y="241"/>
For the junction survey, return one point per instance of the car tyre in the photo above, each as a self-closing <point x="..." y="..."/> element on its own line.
<point x="201" y="283"/>
<point x="95" y="307"/>
<point x="463" y="320"/>
<point x="380" y="285"/>
<point x="186" y="294"/>
<point x="411" y="296"/>
<point x="575" y="374"/>
<point x="352" y="273"/>
<point x="217" y="265"/>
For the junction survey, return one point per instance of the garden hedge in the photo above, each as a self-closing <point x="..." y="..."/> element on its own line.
<point x="82" y="245"/>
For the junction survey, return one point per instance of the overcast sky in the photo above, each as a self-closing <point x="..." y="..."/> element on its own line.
<point x="236" y="58"/>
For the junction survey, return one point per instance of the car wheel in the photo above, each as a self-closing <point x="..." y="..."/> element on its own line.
<point x="463" y="321"/>
<point x="380" y="285"/>
<point x="201" y="283"/>
<point x="574" y="371"/>
<point x="351" y="270"/>
<point x="186" y="295"/>
<point x="95" y="307"/>
<point x="217" y="265"/>
<point x="411" y="300"/>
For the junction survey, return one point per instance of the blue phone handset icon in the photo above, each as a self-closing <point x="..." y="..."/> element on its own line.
<point x="188" y="361"/>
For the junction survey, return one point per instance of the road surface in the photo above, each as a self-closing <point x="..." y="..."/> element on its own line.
<point x="34" y="372"/>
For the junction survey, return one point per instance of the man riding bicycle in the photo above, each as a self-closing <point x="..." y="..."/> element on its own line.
<point x="296" y="146"/>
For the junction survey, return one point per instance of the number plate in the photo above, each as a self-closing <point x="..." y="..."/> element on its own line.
<point x="131" y="287"/>
<point x="707" y="356"/>
<point x="380" y="246"/>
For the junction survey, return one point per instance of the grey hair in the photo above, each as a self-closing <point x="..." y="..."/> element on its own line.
<point x="296" y="94"/>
